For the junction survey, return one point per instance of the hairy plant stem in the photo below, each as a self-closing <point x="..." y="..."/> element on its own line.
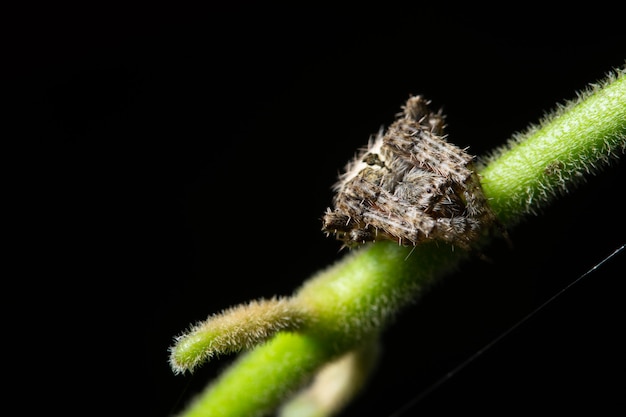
<point x="351" y="301"/>
<point x="553" y="157"/>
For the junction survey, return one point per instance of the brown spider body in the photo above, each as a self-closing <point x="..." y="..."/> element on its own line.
<point x="410" y="185"/>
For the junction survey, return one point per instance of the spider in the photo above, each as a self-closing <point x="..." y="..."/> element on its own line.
<point x="410" y="185"/>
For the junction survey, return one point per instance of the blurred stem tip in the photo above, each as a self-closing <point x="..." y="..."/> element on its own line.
<point x="329" y="327"/>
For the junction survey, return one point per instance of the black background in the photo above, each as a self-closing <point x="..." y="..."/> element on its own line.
<point x="183" y="157"/>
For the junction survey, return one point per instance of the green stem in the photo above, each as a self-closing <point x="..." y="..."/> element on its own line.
<point x="553" y="157"/>
<point x="355" y="298"/>
<point x="262" y="378"/>
<point x="360" y="294"/>
<point x="350" y="301"/>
